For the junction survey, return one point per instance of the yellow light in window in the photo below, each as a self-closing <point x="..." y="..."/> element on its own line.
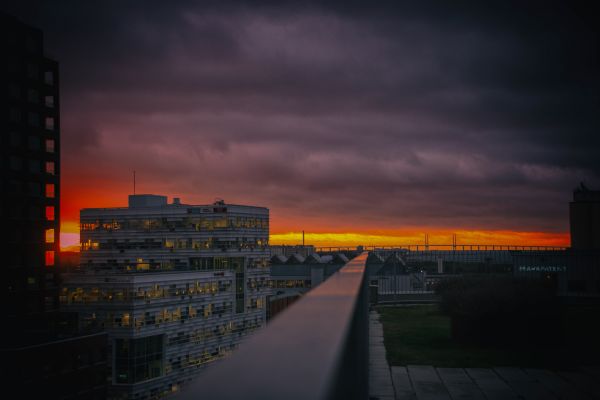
<point x="49" y="235"/>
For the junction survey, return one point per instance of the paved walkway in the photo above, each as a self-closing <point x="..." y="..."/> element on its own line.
<point x="424" y="382"/>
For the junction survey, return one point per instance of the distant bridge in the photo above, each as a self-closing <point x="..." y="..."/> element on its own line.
<point x="441" y="247"/>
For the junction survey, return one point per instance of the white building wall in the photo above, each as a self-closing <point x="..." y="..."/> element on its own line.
<point x="138" y="266"/>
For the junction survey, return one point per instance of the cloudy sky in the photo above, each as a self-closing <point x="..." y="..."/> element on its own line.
<point x="341" y="118"/>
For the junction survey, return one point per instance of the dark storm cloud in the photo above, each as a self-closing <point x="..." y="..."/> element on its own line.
<point x="443" y="114"/>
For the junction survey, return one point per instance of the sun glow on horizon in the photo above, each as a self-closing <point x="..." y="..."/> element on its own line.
<point x="69" y="238"/>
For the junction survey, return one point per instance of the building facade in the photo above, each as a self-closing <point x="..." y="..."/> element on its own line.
<point x="175" y="286"/>
<point x="30" y="175"/>
<point x="584" y="217"/>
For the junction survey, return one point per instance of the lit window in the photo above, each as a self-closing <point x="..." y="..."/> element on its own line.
<point x="50" y="190"/>
<point x="49" y="146"/>
<point x="49" y="235"/>
<point x="50" y="167"/>
<point x="49" y="123"/>
<point x="50" y="213"/>
<point x="49" y="101"/>
<point x="49" y="258"/>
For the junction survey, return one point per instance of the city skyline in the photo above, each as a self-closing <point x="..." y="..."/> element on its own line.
<point x="411" y="119"/>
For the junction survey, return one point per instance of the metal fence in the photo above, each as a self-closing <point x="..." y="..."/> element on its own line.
<point x="402" y="274"/>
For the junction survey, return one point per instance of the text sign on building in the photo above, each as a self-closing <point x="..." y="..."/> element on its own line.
<point x="542" y="268"/>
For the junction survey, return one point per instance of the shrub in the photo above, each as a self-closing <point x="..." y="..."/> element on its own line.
<point x="500" y="310"/>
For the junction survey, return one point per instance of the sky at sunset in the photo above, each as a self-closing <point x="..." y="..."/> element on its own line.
<point x="359" y="125"/>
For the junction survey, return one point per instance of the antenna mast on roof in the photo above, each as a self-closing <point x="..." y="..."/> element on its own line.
<point x="134" y="181"/>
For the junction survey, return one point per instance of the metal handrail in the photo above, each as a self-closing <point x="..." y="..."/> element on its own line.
<point x="317" y="349"/>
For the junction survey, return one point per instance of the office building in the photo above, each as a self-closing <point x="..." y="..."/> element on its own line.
<point x="584" y="212"/>
<point x="175" y="286"/>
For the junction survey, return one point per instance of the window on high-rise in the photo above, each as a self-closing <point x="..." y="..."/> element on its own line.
<point x="34" y="166"/>
<point x="33" y="96"/>
<point x="34" y="189"/>
<point x="49" y="123"/>
<point x="49" y="101"/>
<point x="49" y="235"/>
<point x="49" y="259"/>
<point x="16" y="163"/>
<point x="49" y="146"/>
<point x="14" y="114"/>
<point x="33" y="143"/>
<point x="32" y="71"/>
<point x="15" y="139"/>
<point x="14" y="91"/>
<point x="50" y="167"/>
<point x="50" y="190"/>
<point x="49" y="77"/>
<point x="33" y="119"/>
<point x="50" y="213"/>
<point x="137" y="360"/>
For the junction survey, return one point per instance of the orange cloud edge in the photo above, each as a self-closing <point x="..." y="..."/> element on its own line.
<point x="69" y="237"/>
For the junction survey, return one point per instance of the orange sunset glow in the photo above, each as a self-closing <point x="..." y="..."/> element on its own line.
<point x="286" y="224"/>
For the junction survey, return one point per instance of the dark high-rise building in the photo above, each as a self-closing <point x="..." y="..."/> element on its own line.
<point x="43" y="354"/>
<point x="585" y="219"/>
<point x="30" y="183"/>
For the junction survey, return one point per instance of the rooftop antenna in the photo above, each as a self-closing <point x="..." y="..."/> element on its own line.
<point x="302" y="238"/>
<point x="134" y="181"/>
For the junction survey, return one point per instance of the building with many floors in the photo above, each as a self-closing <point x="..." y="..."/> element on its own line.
<point x="30" y="171"/>
<point x="175" y="286"/>
<point x="584" y="218"/>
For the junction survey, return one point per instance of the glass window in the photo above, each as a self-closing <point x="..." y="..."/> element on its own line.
<point x="32" y="71"/>
<point x="33" y="142"/>
<point x="50" y="213"/>
<point x="16" y="163"/>
<point x="49" y="258"/>
<point x="15" y="139"/>
<point x="49" y="235"/>
<point x="50" y="190"/>
<point x="33" y="119"/>
<point x="49" y="124"/>
<point x="49" y="77"/>
<point x="50" y="167"/>
<point x="14" y="115"/>
<point x="49" y="101"/>
<point x="34" y="189"/>
<point x="33" y="96"/>
<point x="14" y="90"/>
<point x="34" y="166"/>
<point x="49" y="145"/>
<point x="138" y="360"/>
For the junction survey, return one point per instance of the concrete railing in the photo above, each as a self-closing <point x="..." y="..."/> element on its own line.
<point x="317" y="349"/>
